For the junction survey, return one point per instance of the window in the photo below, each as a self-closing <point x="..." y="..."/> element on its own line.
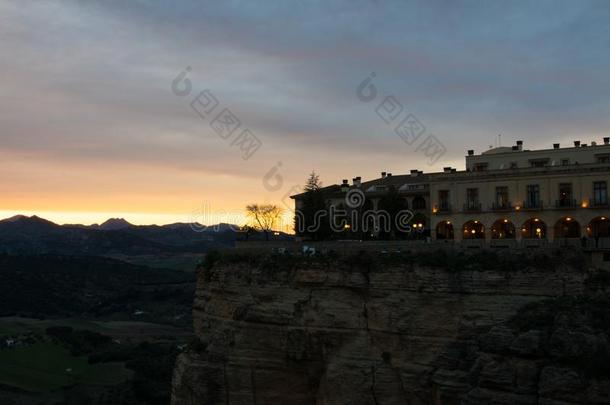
<point x="443" y="200"/>
<point x="603" y="159"/>
<point x="419" y="203"/>
<point x="565" y="195"/>
<point x="600" y="193"/>
<point x="502" y="197"/>
<point x="480" y="167"/>
<point x="513" y="165"/>
<point x="533" y="196"/>
<point x="539" y="162"/>
<point x="472" y="199"/>
<point x="565" y="162"/>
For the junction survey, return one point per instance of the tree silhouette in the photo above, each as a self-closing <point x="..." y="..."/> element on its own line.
<point x="263" y="216"/>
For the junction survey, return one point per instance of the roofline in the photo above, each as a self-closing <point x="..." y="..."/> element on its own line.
<point x="524" y="171"/>
<point x="568" y="148"/>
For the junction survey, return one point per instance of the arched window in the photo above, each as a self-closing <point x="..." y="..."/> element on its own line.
<point x="444" y="230"/>
<point x="533" y="228"/>
<point x="567" y="227"/>
<point x="419" y="203"/>
<point x="473" y="230"/>
<point x="599" y="227"/>
<point x="503" y="229"/>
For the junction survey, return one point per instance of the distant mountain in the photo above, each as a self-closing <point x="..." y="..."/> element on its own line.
<point x="14" y="218"/>
<point x="33" y="221"/>
<point x="34" y="235"/>
<point x="113" y="224"/>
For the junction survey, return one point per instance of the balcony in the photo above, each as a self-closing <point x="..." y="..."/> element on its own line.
<point x="444" y="208"/>
<point x="472" y="206"/>
<point x="566" y="203"/>
<point x="598" y="202"/>
<point x="533" y="205"/>
<point x="501" y="206"/>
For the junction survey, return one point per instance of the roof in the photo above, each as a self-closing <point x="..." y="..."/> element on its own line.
<point x="397" y="181"/>
<point x="498" y="150"/>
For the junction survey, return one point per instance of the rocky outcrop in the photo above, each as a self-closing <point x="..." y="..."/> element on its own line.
<point x="376" y="331"/>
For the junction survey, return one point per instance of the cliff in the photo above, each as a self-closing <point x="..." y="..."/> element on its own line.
<point x="436" y="328"/>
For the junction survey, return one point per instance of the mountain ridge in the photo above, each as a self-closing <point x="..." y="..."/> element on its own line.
<point x="21" y="234"/>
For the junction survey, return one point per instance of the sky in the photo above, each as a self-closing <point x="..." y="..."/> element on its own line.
<point x="96" y="122"/>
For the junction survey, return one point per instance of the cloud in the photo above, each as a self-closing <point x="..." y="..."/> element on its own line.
<point x="87" y="83"/>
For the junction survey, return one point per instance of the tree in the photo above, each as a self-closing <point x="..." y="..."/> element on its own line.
<point x="263" y="216"/>
<point x="392" y="203"/>
<point x="313" y="182"/>
<point x="311" y="220"/>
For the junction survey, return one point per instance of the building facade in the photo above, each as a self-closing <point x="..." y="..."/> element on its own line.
<point x="506" y="196"/>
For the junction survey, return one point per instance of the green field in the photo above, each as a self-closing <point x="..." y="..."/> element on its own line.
<point x="130" y="330"/>
<point x="44" y="367"/>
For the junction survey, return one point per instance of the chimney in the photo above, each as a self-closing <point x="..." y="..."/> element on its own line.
<point x="519" y="145"/>
<point x="356" y="181"/>
<point x="344" y="186"/>
<point x="576" y="144"/>
<point x="414" y="172"/>
<point x="447" y="169"/>
<point x="383" y="175"/>
<point x="515" y="147"/>
<point x="593" y="143"/>
<point x="470" y="152"/>
<point x="607" y="140"/>
<point x="584" y="145"/>
<point x="389" y="175"/>
<point x="555" y="146"/>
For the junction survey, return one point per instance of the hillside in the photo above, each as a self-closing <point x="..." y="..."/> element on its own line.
<point x="64" y="286"/>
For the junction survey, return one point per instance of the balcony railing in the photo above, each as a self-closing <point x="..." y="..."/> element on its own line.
<point x="566" y="203"/>
<point x="444" y="208"/>
<point x="598" y="202"/>
<point x="533" y="205"/>
<point x="472" y="207"/>
<point x="501" y="206"/>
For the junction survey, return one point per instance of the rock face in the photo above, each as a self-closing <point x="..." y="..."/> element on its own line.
<point x="326" y="332"/>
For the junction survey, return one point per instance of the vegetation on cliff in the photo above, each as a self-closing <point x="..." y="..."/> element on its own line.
<point x="452" y="260"/>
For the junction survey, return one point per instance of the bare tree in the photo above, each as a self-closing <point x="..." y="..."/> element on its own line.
<point x="263" y="216"/>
